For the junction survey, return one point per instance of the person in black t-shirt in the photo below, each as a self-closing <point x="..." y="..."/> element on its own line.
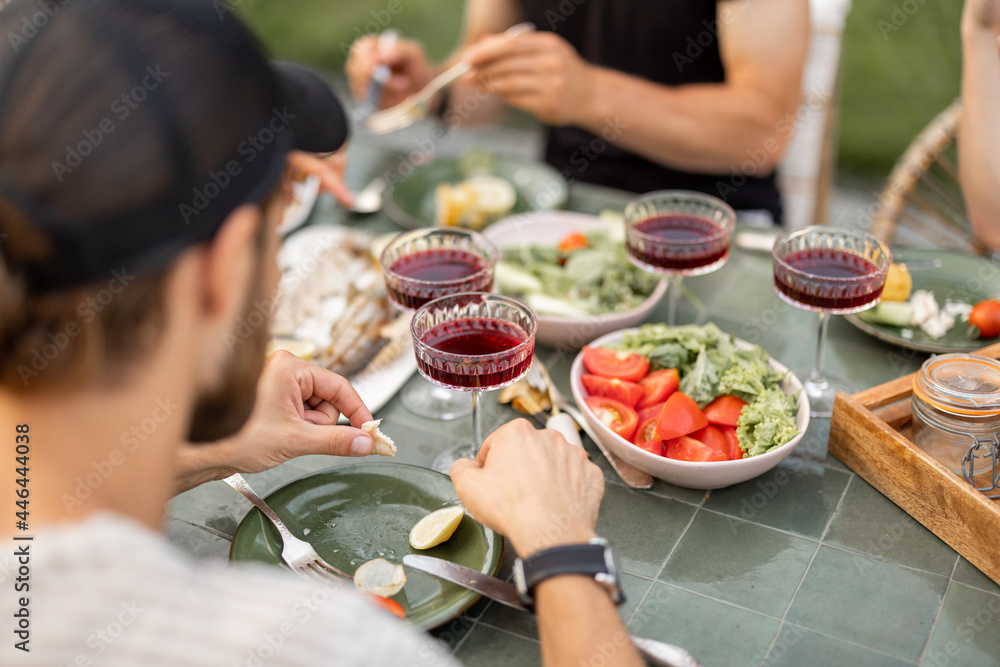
<point x="638" y="94"/>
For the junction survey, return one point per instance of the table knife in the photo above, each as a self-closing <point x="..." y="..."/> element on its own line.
<point x="654" y="652"/>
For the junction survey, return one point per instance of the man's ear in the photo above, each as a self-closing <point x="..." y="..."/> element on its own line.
<point x="230" y="264"/>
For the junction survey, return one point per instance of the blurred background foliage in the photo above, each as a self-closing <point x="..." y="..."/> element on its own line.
<point x="901" y="60"/>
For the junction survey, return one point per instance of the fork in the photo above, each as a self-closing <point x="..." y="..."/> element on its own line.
<point x="298" y="554"/>
<point x="416" y="106"/>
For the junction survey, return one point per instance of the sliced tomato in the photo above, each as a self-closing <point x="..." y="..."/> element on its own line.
<point x="390" y="606"/>
<point x="658" y="385"/>
<point x="680" y="416"/>
<point x="712" y="437"/>
<point x="617" y="416"/>
<point x="645" y="437"/>
<point x="650" y="411"/>
<point x="689" y="449"/>
<point x="985" y="316"/>
<point x="734" y="449"/>
<point x="615" y="363"/>
<point x="627" y="392"/>
<point x="725" y="410"/>
<point x="572" y="242"/>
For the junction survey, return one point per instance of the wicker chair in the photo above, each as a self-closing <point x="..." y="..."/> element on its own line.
<point x="922" y="202"/>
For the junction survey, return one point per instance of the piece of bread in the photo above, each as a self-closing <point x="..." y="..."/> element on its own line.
<point x="898" y="283"/>
<point x="384" y="445"/>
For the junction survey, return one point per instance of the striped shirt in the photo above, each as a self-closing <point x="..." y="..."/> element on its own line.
<point x="107" y="591"/>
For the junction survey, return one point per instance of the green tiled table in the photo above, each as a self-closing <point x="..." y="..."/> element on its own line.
<point x="805" y="565"/>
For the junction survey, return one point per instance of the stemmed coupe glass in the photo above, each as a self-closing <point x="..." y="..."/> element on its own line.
<point x="829" y="270"/>
<point x="676" y="233"/>
<point x="472" y="342"/>
<point x="422" y="265"/>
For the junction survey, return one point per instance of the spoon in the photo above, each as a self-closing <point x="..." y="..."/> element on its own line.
<point x="369" y="198"/>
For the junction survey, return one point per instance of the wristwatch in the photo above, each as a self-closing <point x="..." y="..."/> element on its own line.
<point x="595" y="558"/>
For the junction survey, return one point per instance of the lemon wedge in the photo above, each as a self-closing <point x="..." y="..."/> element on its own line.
<point x="300" y="348"/>
<point x="436" y="527"/>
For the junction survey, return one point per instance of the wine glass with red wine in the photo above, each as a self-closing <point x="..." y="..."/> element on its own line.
<point x="472" y="342"/>
<point x="829" y="270"/>
<point x="677" y="233"/>
<point x="425" y="264"/>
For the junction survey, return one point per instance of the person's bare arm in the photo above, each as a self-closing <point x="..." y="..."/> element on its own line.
<point x="539" y="491"/>
<point x="697" y="127"/>
<point x="979" y="135"/>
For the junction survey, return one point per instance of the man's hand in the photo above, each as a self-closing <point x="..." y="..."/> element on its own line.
<point x="329" y="169"/>
<point x="296" y="412"/>
<point x="983" y="15"/>
<point x="406" y="59"/>
<point x="531" y="486"/>
<point x="539" y="72"/>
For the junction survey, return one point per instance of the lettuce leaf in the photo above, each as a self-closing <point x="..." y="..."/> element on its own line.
<point x="768" y="422"/>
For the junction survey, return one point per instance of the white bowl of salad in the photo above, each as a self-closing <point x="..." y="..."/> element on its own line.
<point x="572" y="271"/>
<point x="690" y="405"/>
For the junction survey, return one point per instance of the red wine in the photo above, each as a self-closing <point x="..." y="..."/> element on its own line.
<point x="829" y="290"/>
<point x="445" y="266"/>
<point x="679" y="242"/>
<point x="487" y="342"/>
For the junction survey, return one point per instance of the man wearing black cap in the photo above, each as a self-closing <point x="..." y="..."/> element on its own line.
<point x="142" y="145"/>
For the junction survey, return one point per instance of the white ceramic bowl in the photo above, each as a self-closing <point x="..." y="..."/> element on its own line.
<point x="708" y="475"/>
<point x="550" y="227"/>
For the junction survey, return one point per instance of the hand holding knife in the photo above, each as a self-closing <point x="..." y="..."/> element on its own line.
<point x="654" y="652"/>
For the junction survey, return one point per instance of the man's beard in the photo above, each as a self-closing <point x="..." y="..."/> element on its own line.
<point x="221" y="412"/>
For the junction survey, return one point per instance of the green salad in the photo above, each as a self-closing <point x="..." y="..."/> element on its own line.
<point x="710" y="365"/>
<point x="585" y="274"/>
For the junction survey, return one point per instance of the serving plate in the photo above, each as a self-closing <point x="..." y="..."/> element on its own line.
<point x="960" y="277"/>
<point x="411" y="202"/>
<point x="377" y="383"/>
<point x="548" y="228"/>
<point x="707" y="475"/>
<point x="354" y="513"/>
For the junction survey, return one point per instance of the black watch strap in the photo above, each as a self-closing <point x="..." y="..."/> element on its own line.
<point x="594" y="559"/>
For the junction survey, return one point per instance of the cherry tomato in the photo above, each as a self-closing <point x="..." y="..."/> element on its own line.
<point x="615" y="364"/>
<point x="390" y="606"/>
<point x="617" y="416"/>
<point x="712" y="437"/>
<point x="628" y="393"/>
<point x="689" y="449"/>
<point x="645" y="437"/>
<point x="985" y="316"/>
<point x="650" y="411"/>
<point x="658" y="386"/>
<point x="574" y="241"/>
<point x="680" y="416"/>
<point x="725" y="410"/>
<point x="734" y="450"/>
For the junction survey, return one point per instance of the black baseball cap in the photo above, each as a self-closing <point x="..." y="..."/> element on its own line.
<point x="130" y="129"/>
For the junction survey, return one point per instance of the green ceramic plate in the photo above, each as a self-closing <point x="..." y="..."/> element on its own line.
<point x="961" y="278"/>
<point x="539" y="186"/>
<point x="358" y="512"/>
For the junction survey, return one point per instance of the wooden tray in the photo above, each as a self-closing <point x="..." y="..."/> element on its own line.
<point x="870" y="435"/>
